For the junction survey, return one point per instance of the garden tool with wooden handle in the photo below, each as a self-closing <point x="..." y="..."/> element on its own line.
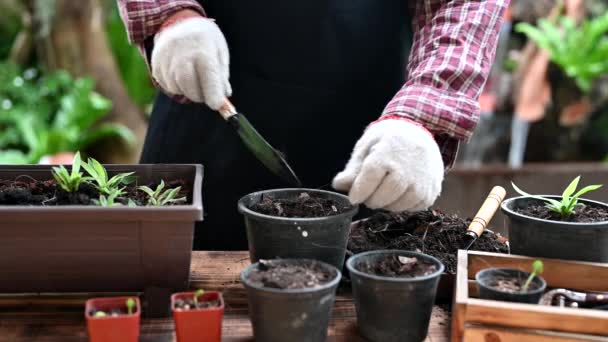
<point x="579" y="297"/>
<point x="484" y="215"/>
<point x="262" y="150"/>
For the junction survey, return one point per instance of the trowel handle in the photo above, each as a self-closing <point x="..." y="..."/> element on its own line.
<point x="597" y="297"/>
<point x="487" y="210"/>
<point x="227" y="110"/>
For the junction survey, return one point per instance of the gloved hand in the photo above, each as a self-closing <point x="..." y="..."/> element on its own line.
<point x="191" y="58"/>
<point x="396" y="165"/>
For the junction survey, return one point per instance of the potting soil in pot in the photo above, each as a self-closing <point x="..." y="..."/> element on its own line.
<point x="510" y="285"/>
<point x="305" y="205"/>
<point x="581" y="214"/>
<point x="189" y="304"/>
<point x="28" y="191"/>
<point x="430" y="232"/>
<point x="292" y="275"/>
<point x="397" y="266"/>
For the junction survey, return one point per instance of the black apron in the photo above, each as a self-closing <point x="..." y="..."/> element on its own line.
<point x="310" y="76"/>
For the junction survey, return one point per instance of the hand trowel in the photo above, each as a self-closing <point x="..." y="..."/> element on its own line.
<point x="484" y="215"/>
<point x="263" y="151"/>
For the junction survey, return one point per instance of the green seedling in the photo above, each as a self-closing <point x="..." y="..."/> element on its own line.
<point x="568" y="203"/>
<point x="537" y="269"/>
<point x="69" y="181"/>
<point x="100" y="314"/>
<point x="110" y="200"/>
<point x="130" y="305"/>
<point x="159" y="197"/>
<point x="197" y="294"/>
<point x="100" y="176"/>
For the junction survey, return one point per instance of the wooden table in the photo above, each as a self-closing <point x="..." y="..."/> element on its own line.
<point x="61" y="317"/>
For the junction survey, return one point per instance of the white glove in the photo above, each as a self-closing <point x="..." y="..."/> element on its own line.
<point x="396" y="165"/>
<point x="191" y="58"/>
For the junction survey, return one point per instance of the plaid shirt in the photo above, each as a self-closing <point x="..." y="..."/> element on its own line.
<point x="453" y="50"/>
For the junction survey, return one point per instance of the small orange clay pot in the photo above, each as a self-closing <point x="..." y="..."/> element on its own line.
<point x="201" y="325"/>
<point x="123" y="328"/>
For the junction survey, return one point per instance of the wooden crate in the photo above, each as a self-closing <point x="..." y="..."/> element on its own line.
<point x="475" y="319"/>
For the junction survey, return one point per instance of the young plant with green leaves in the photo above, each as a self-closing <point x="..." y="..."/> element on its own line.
<point x="564" y="207"/>
<point x="580" y="51"/>
<point x="197" y="294"/>
<point x="107" y="186"/>
<point x="537" y="269"/>
<point x="130" y="305"/>
<point x="69" y="181"/>
<point x="162" y="196"/>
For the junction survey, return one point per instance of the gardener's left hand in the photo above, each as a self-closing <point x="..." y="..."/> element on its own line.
<point x="396" y="165"/>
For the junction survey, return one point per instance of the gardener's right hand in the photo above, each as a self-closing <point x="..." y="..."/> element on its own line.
<point x="190" y="58"/>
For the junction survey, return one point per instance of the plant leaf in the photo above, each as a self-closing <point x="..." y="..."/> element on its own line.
<point x="570" y="188"/>
<point x="586" y="190"/>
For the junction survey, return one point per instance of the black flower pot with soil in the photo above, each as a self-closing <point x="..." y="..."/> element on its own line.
<point x="394" y="293"/>
<point x="297" y="223"/>
<point x="290" y="299"/>
<point x="535" y="231"/>
<point x="505" y="284"/>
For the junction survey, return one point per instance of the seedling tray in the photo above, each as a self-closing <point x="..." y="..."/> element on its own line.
<point x="475" y="319"/>
<point x="99" y="249"/>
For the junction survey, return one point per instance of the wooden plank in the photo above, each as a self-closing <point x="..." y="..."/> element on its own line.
<point x="558" y="273"/>
<point x="489" y="334"/>
<point x="584" y="321"/>
<point x="59" y="317"/>
<point x="461" y="294"/>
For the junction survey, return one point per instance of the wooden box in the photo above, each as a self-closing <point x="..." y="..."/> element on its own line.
<point x="475" y="319"/>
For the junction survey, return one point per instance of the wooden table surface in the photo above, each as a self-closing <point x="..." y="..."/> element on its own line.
<point x="61" y="317"/>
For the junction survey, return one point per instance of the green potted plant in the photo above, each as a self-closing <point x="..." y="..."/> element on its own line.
<point x="92" y="217"/>
<point x="113" y="319"/>
<point x="563" y="227"/>
<point x="290" y="299"/>
<point x="512" y="285"/>
<point x="394" y="293"/>
<point x="198" y="316"/>
<point x="297" y="223"/>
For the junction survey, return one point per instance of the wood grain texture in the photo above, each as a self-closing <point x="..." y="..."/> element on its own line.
<point x="489" y="334"/>
<point x="60" y="317"/>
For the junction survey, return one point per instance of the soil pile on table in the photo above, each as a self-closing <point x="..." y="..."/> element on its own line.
<point x="430" y="232"/>
<point x="291" y="275"/>
<point x="304" y="205"/>
<point x="28" y="191"/>
<point x="189" y="304"/>
<point x="581" y="214"/>
<point x="397" y="266"/>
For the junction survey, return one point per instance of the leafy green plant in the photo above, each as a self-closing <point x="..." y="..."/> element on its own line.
<point x="537" y="269"/>
<point x="197" y="294"/>
<point x="130" y="305"/>
<point x="47" y="114"/>
<point x="69" y="181"/>
<point x="568" y="202"/>
<point x="105" y="185"/>
<point x="581" y="52"/>
<point x="161" y="196"/>
<point x="108" y="201"/>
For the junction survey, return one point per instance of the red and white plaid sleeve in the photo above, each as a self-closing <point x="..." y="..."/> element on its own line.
<point x="451" y="56"/>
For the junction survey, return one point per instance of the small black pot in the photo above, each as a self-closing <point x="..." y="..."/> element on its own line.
<point x="293" y="314"/>
<point x="393" y="309"/>
<point x="554" y="239"/>
<point x="322" y="238"/>
<point x="487" y="292"/>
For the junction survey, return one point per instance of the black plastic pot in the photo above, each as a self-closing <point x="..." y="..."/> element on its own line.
<point x="393" y="309"/>
<point x="554" y="239"/>
<point x="323" y="238"/>
<point x="487" y="292"/>
<point x="292" y="314"/>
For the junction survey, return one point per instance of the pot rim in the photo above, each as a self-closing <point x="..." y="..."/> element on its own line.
<point x="90" y="304"/>
<point x="495" y="269"/>
<point x="334" y="282"/>
<point x="220" y="297"/>
<point x="243" y="209"/>
<point x="351" y="269"/>
<point x="509" y="212"/>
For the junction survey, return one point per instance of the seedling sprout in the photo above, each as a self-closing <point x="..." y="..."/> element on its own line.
<point x="198" y="293"/>
<point x="537" y="268"/>
<point x="130" y="305"/>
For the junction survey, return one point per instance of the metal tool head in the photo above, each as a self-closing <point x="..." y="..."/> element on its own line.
<point x="547" y="298"/>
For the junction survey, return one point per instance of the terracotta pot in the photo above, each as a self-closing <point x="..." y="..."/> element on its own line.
<point x="204" y="325"/>
<point x="63" y="158"/>
<point x="122" y="328"/>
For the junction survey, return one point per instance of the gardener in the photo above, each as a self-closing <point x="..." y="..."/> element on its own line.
<point x="311" y="76"/>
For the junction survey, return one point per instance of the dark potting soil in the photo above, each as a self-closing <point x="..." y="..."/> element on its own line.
<point x="397" y="266"/>
<point x="510" y="285"/>
<point x="189" y="304"/>
<point x="302" y="206"/>
<point x="292" y="275"/>
<point x="430" y="232"/>
<point x="28" y="191"/>
<point x="581" y="214"/>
